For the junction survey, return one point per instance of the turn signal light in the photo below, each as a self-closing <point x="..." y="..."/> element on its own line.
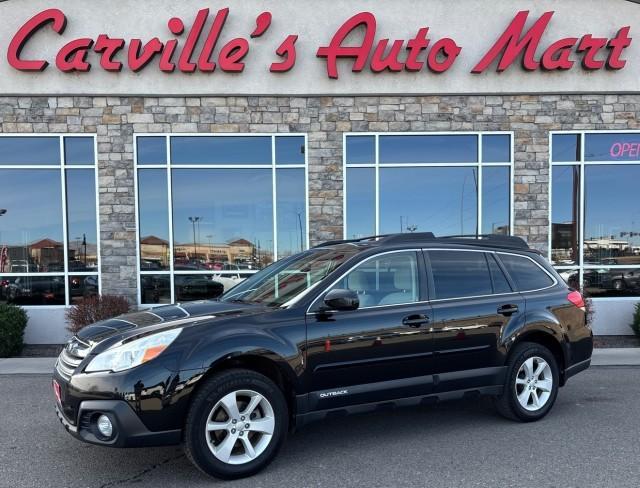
<point x="576" y="298"/>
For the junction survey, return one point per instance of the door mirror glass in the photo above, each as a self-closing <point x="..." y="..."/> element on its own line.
<point x="342" y="300"/>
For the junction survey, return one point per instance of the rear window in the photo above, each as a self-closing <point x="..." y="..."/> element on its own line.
<point x="526" y="274"/>
<point x="458" y="274"/>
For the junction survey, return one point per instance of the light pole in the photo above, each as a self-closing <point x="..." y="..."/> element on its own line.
<point x="301" y="233"/>
<point x="194" y="221"/>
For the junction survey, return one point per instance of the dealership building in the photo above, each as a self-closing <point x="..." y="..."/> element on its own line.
<point x="157" y="149"/>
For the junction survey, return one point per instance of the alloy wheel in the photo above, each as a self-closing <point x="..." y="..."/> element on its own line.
<point x="240" y="427"/>
<point x="534" y="384"/>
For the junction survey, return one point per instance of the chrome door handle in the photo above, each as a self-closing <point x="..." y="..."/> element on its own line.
<point x="417" y="320"/>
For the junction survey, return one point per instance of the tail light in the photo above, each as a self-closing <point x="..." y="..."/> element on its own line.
<point x="576" y="298"/>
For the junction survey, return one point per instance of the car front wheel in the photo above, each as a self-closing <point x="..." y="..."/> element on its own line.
<point x="531" y="384"/>
<point x="236" y="425"/>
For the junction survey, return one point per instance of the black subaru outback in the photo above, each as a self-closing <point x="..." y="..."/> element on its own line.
<point x="343" y="327"/>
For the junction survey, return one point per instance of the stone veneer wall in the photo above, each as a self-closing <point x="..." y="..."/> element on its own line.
<point x="324" y="119"/>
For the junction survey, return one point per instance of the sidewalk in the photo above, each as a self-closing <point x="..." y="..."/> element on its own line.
<point x="601" y="357"/>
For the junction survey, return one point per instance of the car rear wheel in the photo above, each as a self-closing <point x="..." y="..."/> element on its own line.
<point x="236" y="424"/>
<point x="531" y="384"/>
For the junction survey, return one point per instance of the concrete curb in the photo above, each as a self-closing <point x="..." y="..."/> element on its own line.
<point x="601" y="357"/>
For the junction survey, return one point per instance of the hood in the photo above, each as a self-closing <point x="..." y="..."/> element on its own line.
<point x="163" y="317"/>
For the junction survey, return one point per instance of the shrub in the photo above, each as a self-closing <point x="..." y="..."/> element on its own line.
<point x="13" y="321"/>
<point x="635" y="325"/>
<point x="95" y="308"/>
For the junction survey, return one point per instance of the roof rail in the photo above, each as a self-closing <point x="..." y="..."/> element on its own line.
<point x="493" y="239"/>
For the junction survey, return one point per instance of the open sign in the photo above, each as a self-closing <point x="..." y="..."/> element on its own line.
<point x="625" y="150"/>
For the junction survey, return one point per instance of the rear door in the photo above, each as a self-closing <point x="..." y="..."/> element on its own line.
<point x="473" y="301"/>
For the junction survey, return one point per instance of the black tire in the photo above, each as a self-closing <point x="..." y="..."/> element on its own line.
<point x="195" y="442"/>
<point x="507" y="404"/>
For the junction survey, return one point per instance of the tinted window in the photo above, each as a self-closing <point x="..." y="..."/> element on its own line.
<point x="499" y="281"/>
<point x="29" y="150"/>
<point x="565" y="214"/>
<point x="152" y="150"/>
<point x="429" y="149"/>
<point x="81" y="220"/>
<point x="361" y="150"/>
<point x="361" y="202"/>
<point x="460" y="274"/>
<point x="496" y="148"/>
<point x="496" y="194"/>
<point x="291" y="211"/>
<point x="79" y="150"/>
<point x="612" y="147"/>
<point x="221" y="150"/>
<point x="390" y="279"/>
<point x="290" y="150"/>
<point x="153" y="208"/>
<point x="526" y="274"/>
<point x="566" y="147"/>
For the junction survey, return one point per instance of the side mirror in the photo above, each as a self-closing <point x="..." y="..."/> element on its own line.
<point x="342" y="300"/>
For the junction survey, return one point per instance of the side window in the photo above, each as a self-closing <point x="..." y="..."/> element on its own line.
<point x="500" y="283"/>
<point x="390" y="279"/>
<point x="526" y="274"/>
<point x="458" y="274"/>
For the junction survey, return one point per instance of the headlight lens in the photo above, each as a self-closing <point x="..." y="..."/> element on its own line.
<point x="134" y="353"/>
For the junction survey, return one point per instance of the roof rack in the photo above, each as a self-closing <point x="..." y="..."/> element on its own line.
<point x="489" y="240"/>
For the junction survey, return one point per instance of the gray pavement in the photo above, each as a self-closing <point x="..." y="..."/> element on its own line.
<point x="590" y="439"/>
<point x="601" y="357"/>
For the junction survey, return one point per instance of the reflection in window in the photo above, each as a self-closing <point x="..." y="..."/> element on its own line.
<point x="291" y="211"/>
<point x="565" y="148"/>
<point x="222" y="210"/>
<point x="496" y="195"/>
<point x="612" y="214"/>
<point x="82" y="287"/>
<point x="612" y="282"/>
<point x="290" y="150"/>
<point x="439" y="200"/>
<point x="221" y="150"/>
<point x="361" y="202"/>
<point x="31" y="232"/>
<point x="496" y="148"/>
<point x="417" y="195"/>
<point x="32" y="240"/>
<point x="79" y="150"/>
<point x="429" y="149"/>
<point x="221" y="220"/>
<point x="152" y="150"/>
<point x="564" y="221"/>
<point x="153" y="208"/>
<point x="81" y="220"/>
<point x="361" y="150"/>
<point x="155" y="289"/>
<point x="32" y="290"/>
<point x="29" y="150"/>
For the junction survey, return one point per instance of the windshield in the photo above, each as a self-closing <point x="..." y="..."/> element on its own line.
<point x="288" y="278"/>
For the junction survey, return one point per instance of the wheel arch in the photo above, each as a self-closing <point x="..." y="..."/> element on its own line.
<point x="548" y="339"/>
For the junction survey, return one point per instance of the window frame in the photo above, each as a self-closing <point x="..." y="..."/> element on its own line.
<point x="168" y="166"/>
<point x="582" y="164"/>
<point x="63" y="167"/>
<point x="376" y="166"/>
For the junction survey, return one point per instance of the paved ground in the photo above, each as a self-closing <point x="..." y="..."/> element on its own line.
<point x="591" y="439"/>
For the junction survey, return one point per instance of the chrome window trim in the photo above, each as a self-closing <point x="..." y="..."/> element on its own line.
<point x="395" y="251"/>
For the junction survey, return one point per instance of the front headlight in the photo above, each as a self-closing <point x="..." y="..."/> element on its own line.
<point x="134" y="353"/>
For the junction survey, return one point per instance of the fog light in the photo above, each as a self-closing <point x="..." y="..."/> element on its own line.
<point x="104" y="426"/>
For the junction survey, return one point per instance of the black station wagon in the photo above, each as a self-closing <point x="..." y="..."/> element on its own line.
<point x="344" y="327"/>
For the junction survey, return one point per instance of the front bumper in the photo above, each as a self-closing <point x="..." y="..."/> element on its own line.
<point x="128" y="429"/>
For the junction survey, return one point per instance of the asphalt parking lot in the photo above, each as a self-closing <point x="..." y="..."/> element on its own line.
<point x="591" y="438"/>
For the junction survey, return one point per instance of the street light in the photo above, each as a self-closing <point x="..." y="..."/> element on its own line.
<point x="194" y="221"/>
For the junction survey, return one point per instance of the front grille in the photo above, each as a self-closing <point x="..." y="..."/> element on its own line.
<point x="71" y="357"/>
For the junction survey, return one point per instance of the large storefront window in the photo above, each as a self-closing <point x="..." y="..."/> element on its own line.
<point x="449" y="184"/>
<point x="595" y="211"/>
<point x="48" y="221"/>
<point x="213" y="209"/>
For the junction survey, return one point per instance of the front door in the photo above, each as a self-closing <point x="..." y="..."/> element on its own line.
<point x="472" y="303"/>
<point x="381" y="350"/>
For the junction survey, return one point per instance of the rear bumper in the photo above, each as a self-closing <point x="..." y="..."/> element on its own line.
<point x="129" y="431"/>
